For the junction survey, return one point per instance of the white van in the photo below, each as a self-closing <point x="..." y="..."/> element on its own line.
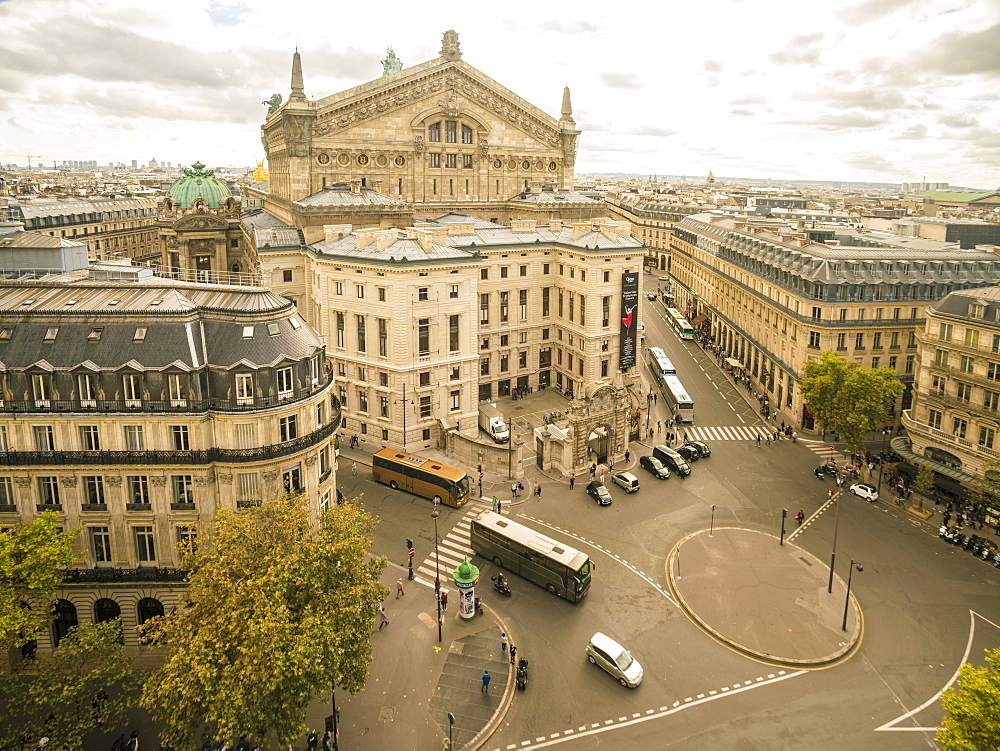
<point x="614" y="658"/>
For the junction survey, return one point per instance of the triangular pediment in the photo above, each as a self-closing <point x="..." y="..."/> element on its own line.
<point x="448" y="87"/>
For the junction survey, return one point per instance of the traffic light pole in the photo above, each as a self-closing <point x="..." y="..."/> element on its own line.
<point x="409" y="552"/>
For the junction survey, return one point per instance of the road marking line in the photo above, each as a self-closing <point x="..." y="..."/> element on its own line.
<point x="622" y="719"/>
<point x="645" y="578"/>
<point x="597" y="728"/>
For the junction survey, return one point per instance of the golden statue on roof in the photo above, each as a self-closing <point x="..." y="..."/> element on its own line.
<point x="260" y="173"/>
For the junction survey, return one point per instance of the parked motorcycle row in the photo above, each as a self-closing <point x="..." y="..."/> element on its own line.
<point x="980" y="547"/>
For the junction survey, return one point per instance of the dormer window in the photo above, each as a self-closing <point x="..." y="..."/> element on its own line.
<point x="140" y="334"/>
<point x="50" y="333"/>
<point x="95" y="334"/>
<point x="977" y="311"/>
<point x="296" y="324"/>
<point x="248" y="332"/>
<point x="6" y="334"/>
<point x="273" y="329"/>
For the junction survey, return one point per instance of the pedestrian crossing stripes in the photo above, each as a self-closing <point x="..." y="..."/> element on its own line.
<point x="732" y="433"/>
<point x="453" y="548"/>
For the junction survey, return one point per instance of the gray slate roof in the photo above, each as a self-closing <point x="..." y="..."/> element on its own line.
<point x="268" y="231"/>
<point x="341" y="195"/>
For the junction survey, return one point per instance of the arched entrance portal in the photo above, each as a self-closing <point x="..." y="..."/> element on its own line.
<point x="598" y="444"/>
<point x="65" y="620"/>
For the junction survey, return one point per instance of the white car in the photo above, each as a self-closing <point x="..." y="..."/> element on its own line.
<point x="866" y="491"/>
<point x="614" y="658"/>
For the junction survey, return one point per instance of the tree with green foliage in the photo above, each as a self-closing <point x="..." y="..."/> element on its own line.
<point x="972" y="708"/>
<point x="33" y="560"/>
<point x="923" y="483"/>
<point x="279" y="610"/>
<point x="83" y="684"/>
<point x="848" y="399"/>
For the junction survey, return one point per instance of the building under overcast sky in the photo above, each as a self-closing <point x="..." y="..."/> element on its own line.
<point x="874" y="90"/>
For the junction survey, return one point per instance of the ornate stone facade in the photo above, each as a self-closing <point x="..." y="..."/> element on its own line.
<point x="439" y="132"/>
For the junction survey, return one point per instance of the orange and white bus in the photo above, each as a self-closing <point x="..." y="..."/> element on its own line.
<point x="421" y="476"/>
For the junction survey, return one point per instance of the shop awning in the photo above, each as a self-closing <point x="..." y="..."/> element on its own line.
<point x="699" y="319"/>
<point x="733" y="363"/>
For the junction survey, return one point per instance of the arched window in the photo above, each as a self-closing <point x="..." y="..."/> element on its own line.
<point x="943" y="457"/>
<point x="65" y="620"/>
<point x="235" y="268"/>
<point x="434" y="132"/>
<point x="466" y="134"/>
<point x="149" y="607"/>
<point x="106" y="610"/>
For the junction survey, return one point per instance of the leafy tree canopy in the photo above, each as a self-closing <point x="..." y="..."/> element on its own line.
<point x="972" y="708"/>
<point x="78" y="687"/>
<point x="279" y="610"/>
<point x="848" y="399"/>
<point x="33" y="558"/>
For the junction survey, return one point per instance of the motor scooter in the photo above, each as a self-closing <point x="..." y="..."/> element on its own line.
<point x="500" y="585"/>
<point x="522" y="674"/>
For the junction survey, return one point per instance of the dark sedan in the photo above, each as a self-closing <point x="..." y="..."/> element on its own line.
<point x="599" y="493"/>
<point x="655" y="467"/>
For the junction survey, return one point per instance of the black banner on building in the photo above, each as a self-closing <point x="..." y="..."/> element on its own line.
<point x="630" y="320"/>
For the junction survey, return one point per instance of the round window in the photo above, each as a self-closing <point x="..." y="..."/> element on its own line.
<point x="512" y="164"/>
<point x="381" y="160"/>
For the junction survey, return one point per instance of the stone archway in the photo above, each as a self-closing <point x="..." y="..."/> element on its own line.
<point x="599" y="424"/>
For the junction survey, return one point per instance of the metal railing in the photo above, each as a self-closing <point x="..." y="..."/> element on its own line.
<point x="152" y="574"/>
<point x="155" y="458"/>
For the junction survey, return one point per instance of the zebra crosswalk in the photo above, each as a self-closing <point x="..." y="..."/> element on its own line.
<point x="729" y="433"/>
<point x="453" y="548"/>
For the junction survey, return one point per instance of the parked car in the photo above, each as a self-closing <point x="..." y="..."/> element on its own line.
<point x="703" y="450"/>
<point x="651" y="296"/>
<point x="599" y="493"/>
<point x="674" y="461"/>
<point x="690" y="453"/>
<point x="626" y="481"/>
<point x="615" y="659"/>
<point x="655" y="467"/>
<point x="866" y="491"/>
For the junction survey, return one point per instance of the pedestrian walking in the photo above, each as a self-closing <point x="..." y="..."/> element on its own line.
<point x="354" y="468"/>
<point x="658" y="423"/>
<point x="602" y="477"/>
<point x="495" y="502"/>
<point x="513" y="653"/>
<point x="444" y="599"/>
<point x="513" y="489"/>
<point x="572" y="479"/>
<point x="486" y="682"/>
<point x="627" y="455"/>
<point x="538" y="489"/>
<point x="383" y="620"/>
<point x="757" y="440"/>
<point x="795" y="436"/>
<point x="767" y="439"/>
<point x="399" y="588"/>
<point x="799" y="517"/>
<point x="651" y="433"/>
<point x="654" y="398"/>
<point x="685" y="436"/>
<point x="499" y="506"/>
<point x="611" y="465"/>
<point x="503" y="641"/>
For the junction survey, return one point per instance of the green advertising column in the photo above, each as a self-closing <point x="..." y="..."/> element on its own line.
<point x="466" y="579"/>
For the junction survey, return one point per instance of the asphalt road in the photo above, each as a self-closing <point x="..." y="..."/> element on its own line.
<point x="916" y="592"/>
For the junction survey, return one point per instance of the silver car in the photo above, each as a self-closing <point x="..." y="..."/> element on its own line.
<point x="615" y="659"/>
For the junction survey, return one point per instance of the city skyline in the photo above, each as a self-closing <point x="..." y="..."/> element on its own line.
<point x="876" y="91"/>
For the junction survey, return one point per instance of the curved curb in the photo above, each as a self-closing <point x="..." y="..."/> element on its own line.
<point x="505" y="701"/>
<point x="827" y="660"/>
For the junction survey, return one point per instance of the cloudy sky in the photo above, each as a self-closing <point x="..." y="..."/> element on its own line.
<point x="851" y="90"/>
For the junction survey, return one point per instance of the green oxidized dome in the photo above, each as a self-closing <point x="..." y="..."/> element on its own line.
<point x="196" y="182"/>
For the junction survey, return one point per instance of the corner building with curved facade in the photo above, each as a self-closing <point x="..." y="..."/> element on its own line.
<point x="135" y="407"/>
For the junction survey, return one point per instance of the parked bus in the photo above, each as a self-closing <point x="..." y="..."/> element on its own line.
<point x="681" y="324"/>
<point x="421" y="476"/>
<point x="678" y="401"/>
<point x="521" y="550"/>
<point x="659" y="364"/>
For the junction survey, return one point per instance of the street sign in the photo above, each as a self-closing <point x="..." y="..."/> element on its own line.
<point x="481" y="475"/>
<point x="412" y="551"/>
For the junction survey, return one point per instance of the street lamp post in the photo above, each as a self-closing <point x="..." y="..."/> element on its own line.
<point x="404" y="402"/>
<point x="437" y="568"/>
<point x="833" y="554"/>
<point x="451" y="724"/>
<point x="784" y="515"/>
<point x="711" y="528"/>
<point x="886" y="432"/>
<point x="336" y="717"/>
<point x="847" y="599"/>
<point x="649" y="405"/>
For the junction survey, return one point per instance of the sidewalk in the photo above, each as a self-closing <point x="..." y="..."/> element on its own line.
<point x="766" y="600"/>
<point x="414" y="682"/>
